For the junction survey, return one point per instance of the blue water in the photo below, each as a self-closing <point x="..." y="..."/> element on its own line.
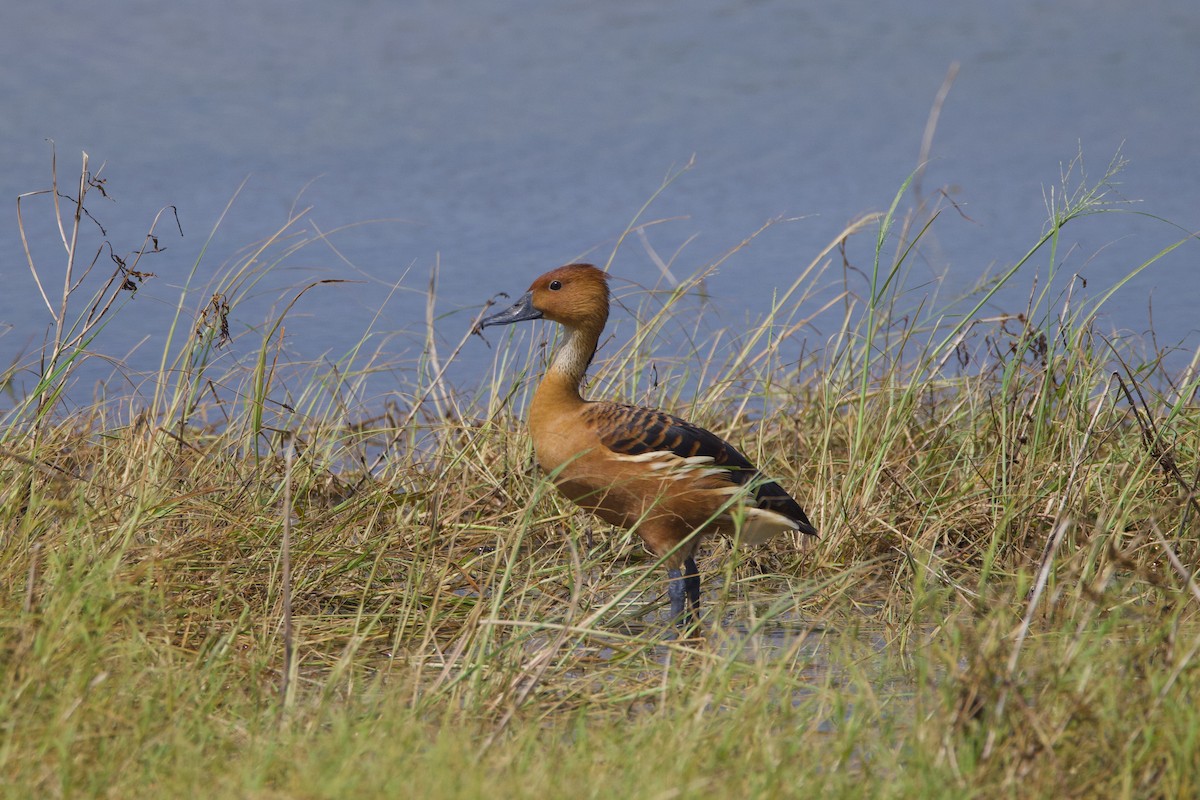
<point x="498" y="140"/>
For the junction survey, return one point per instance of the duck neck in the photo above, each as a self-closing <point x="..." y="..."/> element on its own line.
<point x="561" y="384"/>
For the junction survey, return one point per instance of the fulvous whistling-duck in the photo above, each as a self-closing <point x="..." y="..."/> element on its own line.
<point x="638" y="468"/>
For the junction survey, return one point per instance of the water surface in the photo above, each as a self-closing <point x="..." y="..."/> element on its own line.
<point x="497" y="141"/>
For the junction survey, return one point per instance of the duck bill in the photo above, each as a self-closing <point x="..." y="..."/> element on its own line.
<point x="518" y="312"/>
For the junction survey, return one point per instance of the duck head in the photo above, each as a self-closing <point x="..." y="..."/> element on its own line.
<point x="575" y="296"/>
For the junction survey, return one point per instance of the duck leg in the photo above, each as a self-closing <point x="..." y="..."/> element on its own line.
<point x="676" y="589"/>
<point x="691" y="583"/>
<point x="683" y="588"/>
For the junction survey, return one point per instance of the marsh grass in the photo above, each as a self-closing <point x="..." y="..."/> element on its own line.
<point x="1002" y="601"/>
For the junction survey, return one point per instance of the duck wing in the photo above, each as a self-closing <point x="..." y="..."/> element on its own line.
<point x="629" y="430"/>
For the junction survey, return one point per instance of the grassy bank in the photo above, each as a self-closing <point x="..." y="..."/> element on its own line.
<point x="237" y="584"/>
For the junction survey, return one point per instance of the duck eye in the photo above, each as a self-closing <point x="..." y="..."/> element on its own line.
<point x="555" y="285"/>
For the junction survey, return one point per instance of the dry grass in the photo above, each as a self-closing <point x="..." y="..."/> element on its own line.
<point x="1002" y="601"/>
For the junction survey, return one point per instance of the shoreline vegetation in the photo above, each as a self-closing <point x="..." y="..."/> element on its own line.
<point x="250" y="584"/>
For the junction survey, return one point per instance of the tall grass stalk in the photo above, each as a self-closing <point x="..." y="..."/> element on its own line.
<point x="82" y="307"/>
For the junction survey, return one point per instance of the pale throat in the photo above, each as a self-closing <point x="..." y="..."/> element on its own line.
<point x="571" y="360"/>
